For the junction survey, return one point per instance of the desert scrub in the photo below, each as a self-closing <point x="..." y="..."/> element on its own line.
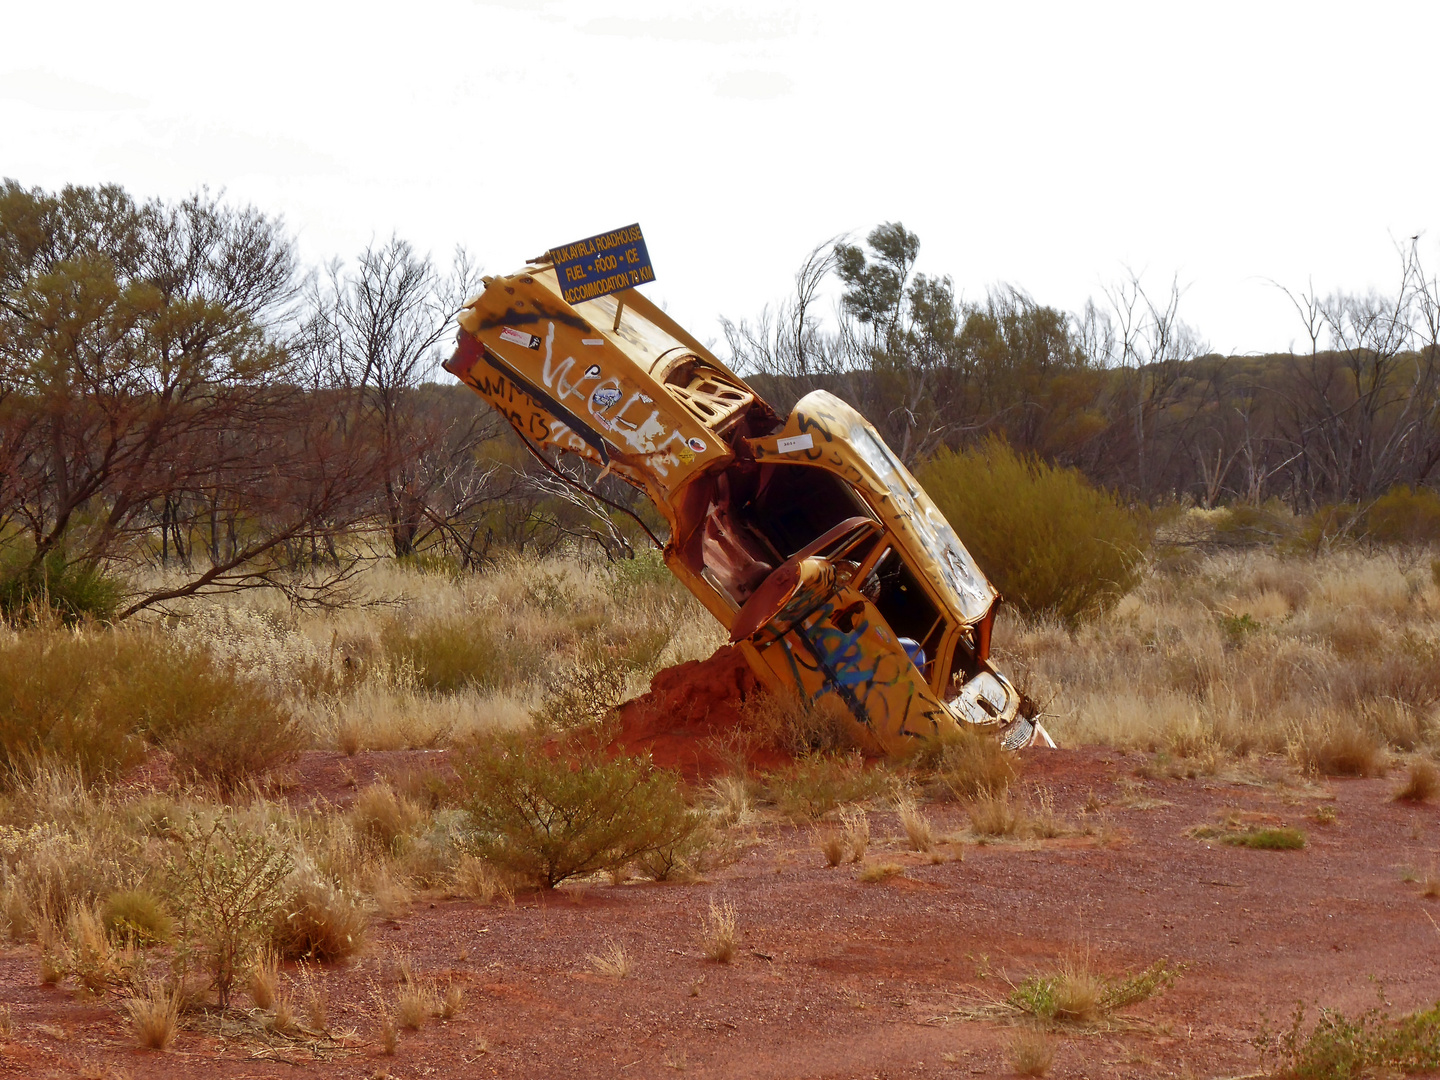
<point x="965" y="763"/>
<point x="799" y="726"/>
<point x="546" y="819"/>
<point x="819" y="783"/>
<point x="449" y="652"/>
<point x="1338" y="1047"/>
<point x="92" y="699"/>
<point x="319" y="921"/>
<point x="1259" y="837"/>
<point x="1075" y="993"/>
<point x="1052" y="543"/>
<point x="583" y="695"/>
<point x="54" y="589"/>
<point x="228" y="885"/>
<point x="137" y="916"/>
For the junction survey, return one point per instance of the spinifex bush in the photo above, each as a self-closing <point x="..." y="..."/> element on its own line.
<point x="1052" y="543"/>
<point x="548" y="818"/>
<point x="54" y="702"/>
<point x="1078" y="994"/>
<point x="137" y="915"/>
<point x="228" y="885"/>
<point x="318" y="921"/>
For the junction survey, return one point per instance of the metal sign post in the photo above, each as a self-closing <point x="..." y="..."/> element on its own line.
<point x="600" y="265"/>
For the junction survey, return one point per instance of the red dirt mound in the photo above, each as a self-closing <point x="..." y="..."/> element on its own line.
<point x="691" y="719"/>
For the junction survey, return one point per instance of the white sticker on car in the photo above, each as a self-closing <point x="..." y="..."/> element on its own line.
<point x="520" y="337"/>
<point x="796" y="442"/>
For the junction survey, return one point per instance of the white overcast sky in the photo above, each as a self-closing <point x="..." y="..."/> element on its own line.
<point x="1049" y="146"/>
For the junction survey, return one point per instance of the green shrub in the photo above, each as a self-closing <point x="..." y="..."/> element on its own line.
<point x="1403" y="516"/>
<point x="73" y="591"/>
<point x="451" y="653"/>
<point x="227" y="885"/>
<point x="1051" y="542"/>
<point x="1338" y="1047"/>
<point x="546" y="819"/>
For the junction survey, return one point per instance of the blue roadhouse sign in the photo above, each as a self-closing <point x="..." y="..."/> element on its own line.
<point x="603" y="264"/>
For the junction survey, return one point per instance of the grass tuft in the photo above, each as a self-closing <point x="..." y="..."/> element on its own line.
<point x="1031" y="1052"/>
<point x="718" y="934"/>
<point x="871" y="873"/>
<point x="155" y="1017"/>
<point x="919" y="832"/>
<point x="1422" y="783"/>
<point x="1285" y="839"/>
<point x="612" y="961"/>
<point x="320" y="922"/>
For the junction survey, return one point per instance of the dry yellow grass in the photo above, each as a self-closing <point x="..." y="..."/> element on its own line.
<point x="1030" y="1052"/>
<point x="1248" y="652"/>
<point x="718" y="935"/>
<point x="612" y="961"/>
<point x="1334" y="661"/>
<point x="919" y="832"/>
<point x="1422" y="783"/>
<point x="155" y="1017"/>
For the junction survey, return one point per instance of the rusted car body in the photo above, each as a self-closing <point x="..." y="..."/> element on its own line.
<point x="803" y="535"/>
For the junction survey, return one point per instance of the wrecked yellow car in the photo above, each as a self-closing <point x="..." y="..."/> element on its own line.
<point x="804" y="535"/>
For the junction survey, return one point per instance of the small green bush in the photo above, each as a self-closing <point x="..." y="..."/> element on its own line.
<point x="1051" y="542"/>
<point x="73" y="591"/>
<point x="546" y="819"/>
<point x="1339" y="1047"/>
<point x="228" y="886"/>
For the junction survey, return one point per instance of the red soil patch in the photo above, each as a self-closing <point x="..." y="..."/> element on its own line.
<point x="692" y="716"/>
<point x="835" y="978"/>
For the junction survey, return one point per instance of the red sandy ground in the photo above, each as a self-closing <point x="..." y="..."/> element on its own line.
<point x="837" y="978"/>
